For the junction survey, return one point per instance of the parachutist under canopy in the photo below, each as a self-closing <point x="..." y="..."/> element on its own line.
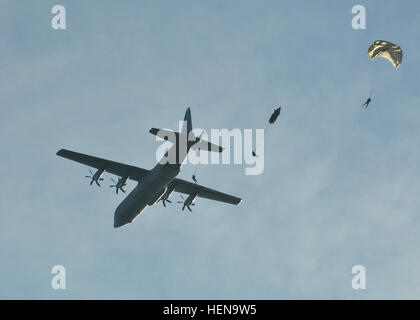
<point x="366" y="104"/>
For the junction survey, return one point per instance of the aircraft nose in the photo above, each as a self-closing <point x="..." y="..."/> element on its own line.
<point x="117" y="218"/>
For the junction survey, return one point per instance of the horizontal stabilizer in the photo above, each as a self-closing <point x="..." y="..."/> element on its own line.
<point x="207" y="146"/>
<point x="167" y="135"/>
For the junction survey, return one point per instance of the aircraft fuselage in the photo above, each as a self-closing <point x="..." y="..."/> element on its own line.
<point x="146" y="193"/>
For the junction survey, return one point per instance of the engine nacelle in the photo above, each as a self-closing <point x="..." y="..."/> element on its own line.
<point x="190" y="199"/>
<point x="168" y="192"/>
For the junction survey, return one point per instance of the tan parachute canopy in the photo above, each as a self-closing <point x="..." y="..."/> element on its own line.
<point x="387" y="50"/>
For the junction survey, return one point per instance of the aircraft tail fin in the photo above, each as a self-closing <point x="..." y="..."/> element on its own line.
<point x="173" y="136"/>
<point x="195" y="143"/>
<point x="187" y="127"/>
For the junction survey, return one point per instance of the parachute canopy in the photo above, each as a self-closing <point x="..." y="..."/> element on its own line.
<point x="274" y="116"/>
<point x="386" y="50"/>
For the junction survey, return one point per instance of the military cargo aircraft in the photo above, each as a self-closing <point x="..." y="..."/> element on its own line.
<point x="158" y="183"/>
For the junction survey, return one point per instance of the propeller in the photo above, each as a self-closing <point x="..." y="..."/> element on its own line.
<point x="94" y="178"/>
<point x="166" y="194"/>
<point x="164" y="201"/>
<point x="185" y="203"/>
<point x="118" y="185"/>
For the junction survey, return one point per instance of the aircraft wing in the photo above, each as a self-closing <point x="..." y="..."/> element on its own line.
<point x="119" y="169"/>
<point x="203" y="192"/>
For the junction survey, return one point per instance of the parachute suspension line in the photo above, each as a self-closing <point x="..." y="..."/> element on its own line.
<point x="195" y="169"/>
<point x="371" y="79"/>
<point x="386" y="50"/>
<point x="257" y="142"/>
<point x="271" y="121"/>
<point x="196" y="165"/>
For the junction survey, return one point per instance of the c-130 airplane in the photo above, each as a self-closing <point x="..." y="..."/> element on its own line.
<point x="158" y="183"/>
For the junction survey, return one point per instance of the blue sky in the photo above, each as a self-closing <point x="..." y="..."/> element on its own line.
<point x="340" y="185"/>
